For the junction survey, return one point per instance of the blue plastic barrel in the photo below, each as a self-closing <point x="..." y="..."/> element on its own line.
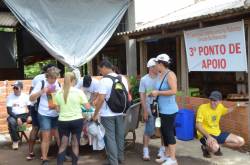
<point x="184" y="124"/>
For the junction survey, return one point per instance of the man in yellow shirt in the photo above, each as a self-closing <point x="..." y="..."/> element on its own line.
<point x="208" y="128"/>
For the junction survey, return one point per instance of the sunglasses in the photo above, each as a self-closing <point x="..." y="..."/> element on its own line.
<point x="15" y="88"/>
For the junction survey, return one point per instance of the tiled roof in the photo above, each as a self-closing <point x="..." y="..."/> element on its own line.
<point x="2" y="5"/>
<point x="7" y="19"/>
<point x="200" y="11"/>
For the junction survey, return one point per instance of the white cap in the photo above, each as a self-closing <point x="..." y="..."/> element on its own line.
<point x="163" y="57"/>
<point x="151" y="62"/>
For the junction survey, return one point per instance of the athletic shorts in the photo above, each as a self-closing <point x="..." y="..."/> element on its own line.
<point x="47" y="122"/>
<point x="150" y="126"/>
<point x="220" y="139"/>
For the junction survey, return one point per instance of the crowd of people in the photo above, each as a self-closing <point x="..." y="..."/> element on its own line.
<point x="160" y="85"/>
<point x="56" y="110"/>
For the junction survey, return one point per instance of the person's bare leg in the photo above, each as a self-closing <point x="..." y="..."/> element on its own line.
<point x="45" y="144"/>
<point x="75" y="149"/>
<point x="62" y="150"/>
<point x="145" y="141"/>
<point x="171" y="149"/>
<point x="167" y="151"/>
<point x="213" y="147"/>
<point x="162" y="149"/>
<point x="32" y="139"/>
<point x="56" y="135"/>
<point x="234" y="141"/>
<point x="145" y="147"/>
<point x="163" y="152"/>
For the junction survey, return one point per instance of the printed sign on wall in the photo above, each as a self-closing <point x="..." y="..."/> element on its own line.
<point x="217" y="48"/>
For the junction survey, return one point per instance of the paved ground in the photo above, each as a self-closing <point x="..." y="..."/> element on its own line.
<point x="188" y="153"/>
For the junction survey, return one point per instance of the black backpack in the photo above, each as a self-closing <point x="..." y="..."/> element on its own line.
<point x="38" y="99"/>
<point x="118" y="101"/>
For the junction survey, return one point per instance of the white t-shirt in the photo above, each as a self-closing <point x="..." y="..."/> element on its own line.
<point x="37" y="79"/>
<point x="18" y="103"/>
<point x="93" y="88"/>
<point x="147" y="85"/>
<point x="43" y="107"/>
<point x="105" y="88"/>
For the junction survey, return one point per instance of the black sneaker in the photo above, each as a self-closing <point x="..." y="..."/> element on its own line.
<point x="218" y="153"/>
<point x="206" y="153"/>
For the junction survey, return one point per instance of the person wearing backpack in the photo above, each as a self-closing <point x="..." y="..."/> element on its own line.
<point x="35" y="123"/>
<point x="111" y="103"/>
<point x="47" y="115"/>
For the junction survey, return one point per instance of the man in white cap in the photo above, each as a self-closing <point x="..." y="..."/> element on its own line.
<point x="147" y="85"/>
<point x="17" y="108"/>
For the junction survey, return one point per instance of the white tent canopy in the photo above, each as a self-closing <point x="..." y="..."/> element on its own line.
<point x="72" y="31"/>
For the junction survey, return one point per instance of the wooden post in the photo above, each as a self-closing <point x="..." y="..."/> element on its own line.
<point x="248" y="73"/>
<point x="184" y="68"/>
<point x="178" y="60"/>
<point x="248" y="58"/>
<point x="20" y="54"/>
<point x="131" y="53"/>
<point x="85" y="66"/>
<point x="143" y="58"/>
<point x="90" y="68"/>
<point x="131" y="57"/>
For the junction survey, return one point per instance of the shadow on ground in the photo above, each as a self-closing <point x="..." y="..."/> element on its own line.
<point x="133" y="156"/>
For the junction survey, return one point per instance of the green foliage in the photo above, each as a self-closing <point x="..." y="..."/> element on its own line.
<point x="134" y="83"/>
<point x="4" y="29"/>
<point x="32" y="70"/>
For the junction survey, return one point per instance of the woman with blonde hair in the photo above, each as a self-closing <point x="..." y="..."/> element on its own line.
<point x="69" y="101"/>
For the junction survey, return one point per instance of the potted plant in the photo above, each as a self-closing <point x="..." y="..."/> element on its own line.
<point x="134" y="89"/>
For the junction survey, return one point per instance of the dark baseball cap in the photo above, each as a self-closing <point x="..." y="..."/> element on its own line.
<point x="87" y="81"/>
<point x="18" y="84"/>
<point x="46" y="67"/>
<point x="215" y="95"/>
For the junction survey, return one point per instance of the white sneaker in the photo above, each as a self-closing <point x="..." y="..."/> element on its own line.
<point x="15" y="145"/>
<point x="145" y="154"/>
<point x="162" y="159"/>
<point x="170" y="162"/>
<point x="161" y="152"/>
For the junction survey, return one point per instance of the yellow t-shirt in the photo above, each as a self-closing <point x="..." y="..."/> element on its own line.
<point x="72" y="110"/>
<point x="210" y="118"/>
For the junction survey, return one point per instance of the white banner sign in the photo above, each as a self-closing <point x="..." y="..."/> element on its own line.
<point x="217" y="48"/>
